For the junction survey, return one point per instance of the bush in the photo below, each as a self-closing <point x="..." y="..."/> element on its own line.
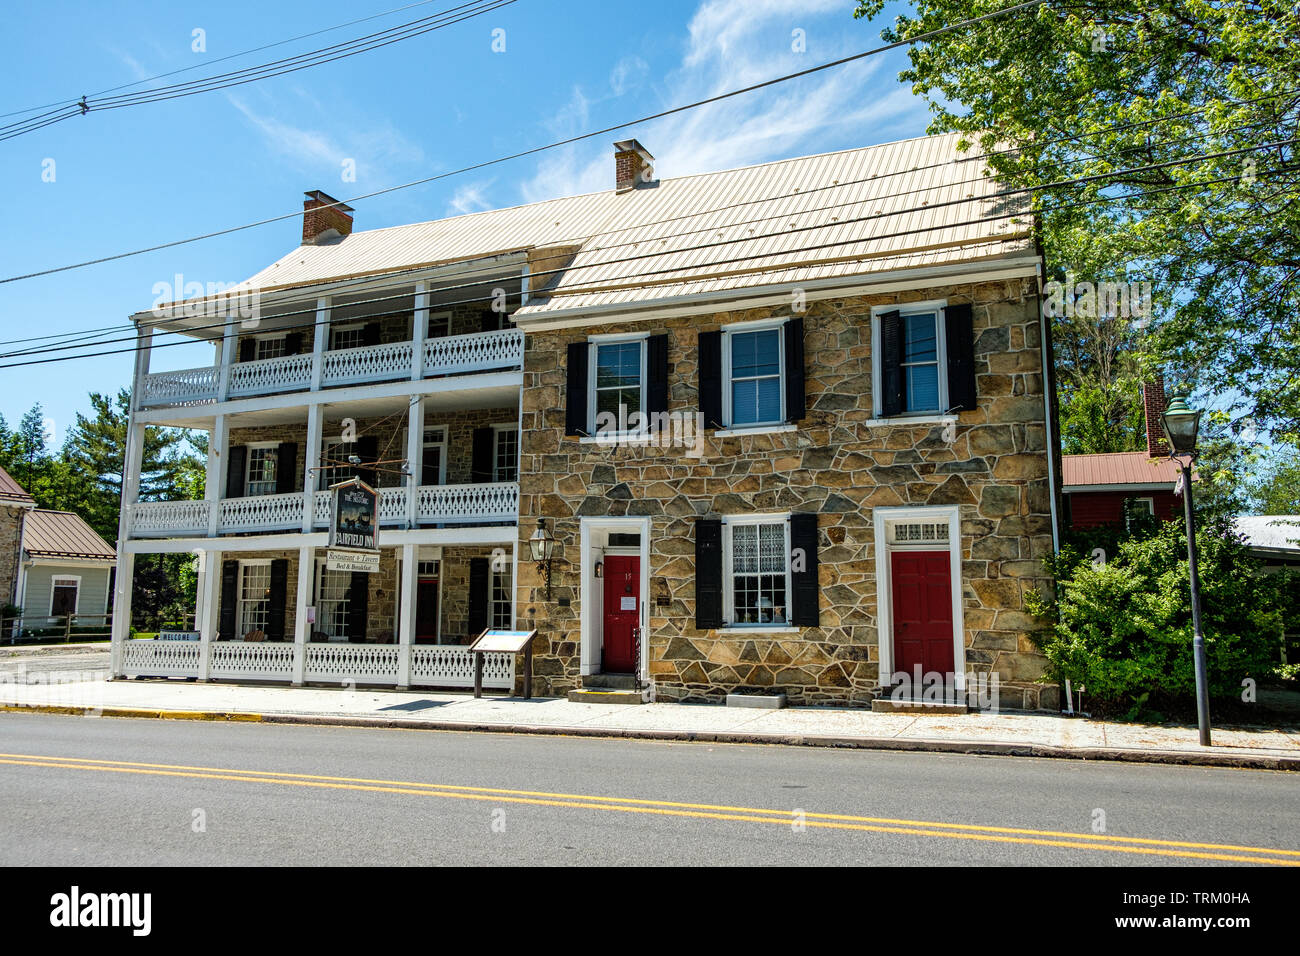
<point x="1122" y="625"/>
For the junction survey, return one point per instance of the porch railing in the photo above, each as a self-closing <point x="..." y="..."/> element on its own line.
<point x="445" y="355"/>
<point x="435" y="504"/>
<point x="431" y="665"/>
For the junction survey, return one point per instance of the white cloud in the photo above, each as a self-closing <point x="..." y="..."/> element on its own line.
<point x="731" y="44"/>
<point x="628" y="73"/>
<point x="469" y="198"/>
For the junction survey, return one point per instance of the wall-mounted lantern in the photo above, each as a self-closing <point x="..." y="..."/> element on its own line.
<point x="542" y="544"/>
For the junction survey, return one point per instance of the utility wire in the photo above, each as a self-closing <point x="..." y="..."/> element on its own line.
<point x="538" y="149"/>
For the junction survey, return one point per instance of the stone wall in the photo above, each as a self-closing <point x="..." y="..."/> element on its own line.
<point x="11" y="526"/>
<point x="840" y="464"/>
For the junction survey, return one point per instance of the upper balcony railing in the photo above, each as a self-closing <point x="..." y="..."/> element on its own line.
<point x="434" y="504"/>
<point x="447" y="355"/>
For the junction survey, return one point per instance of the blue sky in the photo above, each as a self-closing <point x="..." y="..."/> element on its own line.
<point x="135" y="177"/>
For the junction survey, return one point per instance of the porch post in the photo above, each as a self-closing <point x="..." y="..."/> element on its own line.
<point x="210" y="585"/>
<point x="414" y="459"/>
<point x="419" y="330"/>
<point x="215" y="481"/>
<point x="121" y="609"/>
<point x="408" y="596"/>
<point x="311" y="458"/>
<point x="131" y="465"/>
<point x="320" y="342"/>
<point x="229" y="348"/>
<point x="302" y="629"/>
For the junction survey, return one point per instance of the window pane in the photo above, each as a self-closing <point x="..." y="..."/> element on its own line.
<point x="919" y="342"/>
<point x="922" y="383"/>
<point x="755" y="353"/>
<point x="755" y="400"/>
<point x="618" y="365"/>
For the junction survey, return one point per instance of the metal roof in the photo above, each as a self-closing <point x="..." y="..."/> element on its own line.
<point x="1118" y="468"/>
<point x="13" y="493"/>
<point x="1273" y="532"/>
<point x="62" y="534"/>
<point x="779" y="222"/>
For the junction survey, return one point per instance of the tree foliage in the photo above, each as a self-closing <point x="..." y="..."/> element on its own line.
<point x="1126" y="91"/>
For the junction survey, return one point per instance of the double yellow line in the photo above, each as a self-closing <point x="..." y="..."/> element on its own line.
<point x="830" y="821"/>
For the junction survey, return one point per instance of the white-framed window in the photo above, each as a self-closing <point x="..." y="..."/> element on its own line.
<point x="499" y="603"/>
<point x="263" y="460"/>
<point x="332" y="591"/>
<point x="756" y="571"/>
<point x="433" y="469"/>
<point x="348" y="336"/>
<point x="270" y="346"/>
<point x="1137" y="507"/>
<point x="616" y="370"/>
<point x="64" y="591"/>
<point x="753" y="374"/>
<point x="922" y="359"/>
<point x="332" y="452"/>
<point x="505" y="453"/>
<point x="439" y="324"/>
<point x="254" y="596"/>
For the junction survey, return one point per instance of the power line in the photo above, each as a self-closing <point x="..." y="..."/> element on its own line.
<point x="538" y="149"/>
<point x="578" y="289"/>
<point x="302" y="61"/>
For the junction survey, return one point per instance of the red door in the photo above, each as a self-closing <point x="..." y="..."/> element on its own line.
<point x="922" y="606"/>
<point x="622" y="612"/>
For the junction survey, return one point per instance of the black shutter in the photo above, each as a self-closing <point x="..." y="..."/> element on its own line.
<point x="478" y="595"/>
<point x="805" y="604"/>
<point x="796" y="405"/>
<point x="236" y="466"/>
<point x="575" y="391"/>
<point x="368" y="452"/>
<point x="708" y="573"/>
<point x="489" y="320"/>
<point x="370" y="333"/>
<point x="656" y="389"/>
<point x="960" y="342"/>
<point x="891" y="363"/>
<point x="484" y="450"/>
<point x="293" y="343"/>
<point x="286" y="466"/>
<point x="229" y="600"/>
<point x="358" y="605"/>
<point x="278" y="599"/>
<point x="247" y="349"/>
<point x="710" y="358"/>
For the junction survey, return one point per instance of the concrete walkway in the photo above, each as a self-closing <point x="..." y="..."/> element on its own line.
<point x="1014" y="734"/>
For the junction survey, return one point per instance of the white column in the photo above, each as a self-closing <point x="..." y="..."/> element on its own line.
<point x="414" y="459"/>
<point x="121" y="608"/>
<point x="229" y="348"/>
<point x="215" y="482"/>
<point x="514" y="582"/>
<point x="419" y="330"/>
<point x="210" y="585"/>
<point x="320" y="343"/>
<point x="523" y="285"/>
<point x="302" y="629"/>
<point x="311" y="460"/>
<point x="408" y="597"/>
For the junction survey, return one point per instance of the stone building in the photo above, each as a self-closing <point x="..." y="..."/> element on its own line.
<point x="782" y="429"/>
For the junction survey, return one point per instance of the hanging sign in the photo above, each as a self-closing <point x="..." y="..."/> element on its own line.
<point x="366" y="562"/>
<point x="354" y="518"/>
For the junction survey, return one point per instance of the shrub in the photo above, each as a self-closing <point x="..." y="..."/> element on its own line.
<point x="1122" y="626"/>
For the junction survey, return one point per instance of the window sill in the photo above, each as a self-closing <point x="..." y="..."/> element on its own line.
<point x="627" y="438"/>
<point x="934" y="418"/>
<point x="758" y="629"/>
<point x="755" y="430"/>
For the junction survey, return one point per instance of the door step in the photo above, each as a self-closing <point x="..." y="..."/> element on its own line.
<point x="887" y="705"/>
<point x="587" y="696"/>
<point x="610" y="681"/>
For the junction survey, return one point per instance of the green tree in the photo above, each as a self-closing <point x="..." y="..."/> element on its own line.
<point x="1126" y="90"/>
<point x="1277" y="491"/>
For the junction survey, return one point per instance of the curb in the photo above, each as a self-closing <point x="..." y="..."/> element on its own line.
<point x="968" y="747"/>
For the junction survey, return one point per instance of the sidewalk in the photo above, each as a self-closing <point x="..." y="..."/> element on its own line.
<point x="1008" y="734"/>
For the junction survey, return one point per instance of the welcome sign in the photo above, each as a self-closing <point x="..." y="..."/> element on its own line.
<point x="354" y="516"/>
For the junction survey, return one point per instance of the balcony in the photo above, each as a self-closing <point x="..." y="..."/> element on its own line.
<point x="446" y="355"/>
<point x="434" y="504"/>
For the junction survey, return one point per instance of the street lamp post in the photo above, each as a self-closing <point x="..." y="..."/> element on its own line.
<point x="1181" y="425"/>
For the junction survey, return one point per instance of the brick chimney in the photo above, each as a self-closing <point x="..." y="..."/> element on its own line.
<point x="324" y="218"/>
<point x="1154" y="403"/>
<point x="633" y="166"/>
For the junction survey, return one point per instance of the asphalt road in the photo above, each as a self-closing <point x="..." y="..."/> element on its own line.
<point x="85" y="791"/>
